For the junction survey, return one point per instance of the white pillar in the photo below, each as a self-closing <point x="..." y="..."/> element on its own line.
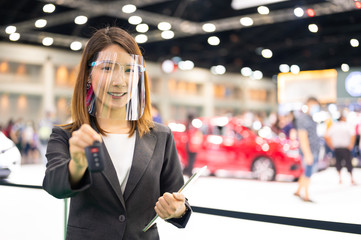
<point x="208" y="95"/>
<point x="49" y="85"/>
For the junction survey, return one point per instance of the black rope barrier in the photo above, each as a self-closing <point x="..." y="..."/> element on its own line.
<point x="9" y="184"/>
<point x="296" y="222"/>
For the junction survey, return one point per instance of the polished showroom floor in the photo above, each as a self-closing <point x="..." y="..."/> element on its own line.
<point x="33" y="214"/>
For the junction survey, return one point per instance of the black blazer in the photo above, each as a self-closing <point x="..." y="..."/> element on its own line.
<point x="98" y="208"/>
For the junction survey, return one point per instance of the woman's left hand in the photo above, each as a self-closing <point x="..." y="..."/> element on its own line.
<point x="170" y="205"/>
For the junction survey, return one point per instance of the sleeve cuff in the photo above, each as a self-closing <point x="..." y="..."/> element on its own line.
<point x="182" y="222"/>
<point x="84" y="182"/>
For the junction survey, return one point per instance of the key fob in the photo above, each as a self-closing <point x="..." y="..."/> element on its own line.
<point x="95" y="157"/>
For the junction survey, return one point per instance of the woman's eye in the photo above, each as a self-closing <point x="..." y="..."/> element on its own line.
<point x="106" y="68"/>
<point x="129" y="70"/>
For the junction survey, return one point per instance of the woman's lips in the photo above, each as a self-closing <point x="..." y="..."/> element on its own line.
<point x="117" y="95"/>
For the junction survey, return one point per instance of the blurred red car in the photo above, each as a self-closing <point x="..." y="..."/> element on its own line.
<point x="229" y="148"/>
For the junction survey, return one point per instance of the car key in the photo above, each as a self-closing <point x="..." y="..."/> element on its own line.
<point x="95" y="157"/>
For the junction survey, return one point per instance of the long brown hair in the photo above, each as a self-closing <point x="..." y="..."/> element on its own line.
<point x="101" y="39"/>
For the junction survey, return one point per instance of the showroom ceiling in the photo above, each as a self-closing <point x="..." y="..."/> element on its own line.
<point x="241" y="44"/>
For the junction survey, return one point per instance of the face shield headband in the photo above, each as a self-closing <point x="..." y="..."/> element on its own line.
<point x="116" y="86"/>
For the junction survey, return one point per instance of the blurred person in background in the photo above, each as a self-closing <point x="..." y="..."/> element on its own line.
<point x="45" y="126"/>
<point x="142" y="173"/>
<point x="356" y="149"/>
<point x="9" y="131"/>
<point x="309" y="145"/>
<point x="30" y="143"/>
<point x="156" y="115"/>
<point x="290" y="128"/>
<point x="194" y="141"/>
<point x="359" y="150"/>
<point x="341" y="139"/>
<point x="276" y="125"/>
<point x="18" y="132"/>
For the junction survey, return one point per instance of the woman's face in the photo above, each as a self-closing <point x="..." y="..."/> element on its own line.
<point x="114" y="76"/>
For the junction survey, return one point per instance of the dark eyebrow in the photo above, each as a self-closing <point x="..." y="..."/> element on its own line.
<point x="112" y="62"/>
<point x="107" y="61"/>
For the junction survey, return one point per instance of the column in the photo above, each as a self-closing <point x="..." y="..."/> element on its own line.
<point x="49" y="85"/>
<point x="208" y="95"/>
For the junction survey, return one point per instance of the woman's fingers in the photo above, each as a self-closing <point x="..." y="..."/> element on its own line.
<point x="160" y="210"/>
<point x="179" y="196"/>
<point x="83" y="138"/>
<point x="80" y="139"/>
<point x="170" y="205"/>
<point x="79" y="142"/>
<point x="89" y="132"/>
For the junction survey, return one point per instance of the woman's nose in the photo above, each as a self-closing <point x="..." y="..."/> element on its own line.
<point x="118" y="78"/>
<point x="119" y="81"/>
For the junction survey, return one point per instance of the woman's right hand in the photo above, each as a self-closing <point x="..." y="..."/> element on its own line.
<point x="80" y="139"/>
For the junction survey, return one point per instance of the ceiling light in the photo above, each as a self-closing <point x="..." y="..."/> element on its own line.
<point x="257" y="75"/>
<point x="135" y="20"/>
<point x="214" y="41"/>
<point x="298" y="12"/>
<point x="345" y="67"/>
<point x="354" y="42"/>
<point x="284" y="68"/>
<point x="263" y="10"/>
<point x="40" y="23"/>
<point x="167" y="34"/>
<point x="313" y="28"/>
<point x="14" y="36"/>
<point x="295" y="69"/>
<point x="168" y="66"/>
<point x="141" y="38"/>
<point x="47" y="41"/>
<point x="267" y="53"/>
<point x="10" y="29"/>
<point x="142" y="28"/>
<point x="246" y="71"/>
<point x="186" y="65"/>
<point x="129" y="8"/>
<point x="80" y="20"/>
<point x="246" y="21"/>
<point x="164" y="26"/>
<point x="75" y="46"/>
<point x="49" y="8"/>
<point x="209" y="27"/>
<point x="218" y="70"/>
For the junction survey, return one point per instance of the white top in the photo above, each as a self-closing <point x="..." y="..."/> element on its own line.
<point x="340" y="134"/>
<point x="121" y="150"/>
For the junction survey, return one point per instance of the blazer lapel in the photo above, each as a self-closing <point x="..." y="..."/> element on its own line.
<point x="143" y="151"/>
<point x="111" y="175"/>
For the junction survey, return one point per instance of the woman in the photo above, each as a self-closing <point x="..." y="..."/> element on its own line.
<point x="142" y="173"/>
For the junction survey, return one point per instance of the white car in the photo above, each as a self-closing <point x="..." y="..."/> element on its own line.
<point x="10" y="157"/>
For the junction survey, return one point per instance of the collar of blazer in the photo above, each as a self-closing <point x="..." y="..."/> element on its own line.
<point x="143" y="151"/>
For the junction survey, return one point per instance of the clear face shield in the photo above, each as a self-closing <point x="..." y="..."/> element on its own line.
<point x="117" y="87"/>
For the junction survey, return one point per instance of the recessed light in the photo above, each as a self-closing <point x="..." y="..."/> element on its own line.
<point x="40" y="23"/>
<point x="76" y="45"/>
